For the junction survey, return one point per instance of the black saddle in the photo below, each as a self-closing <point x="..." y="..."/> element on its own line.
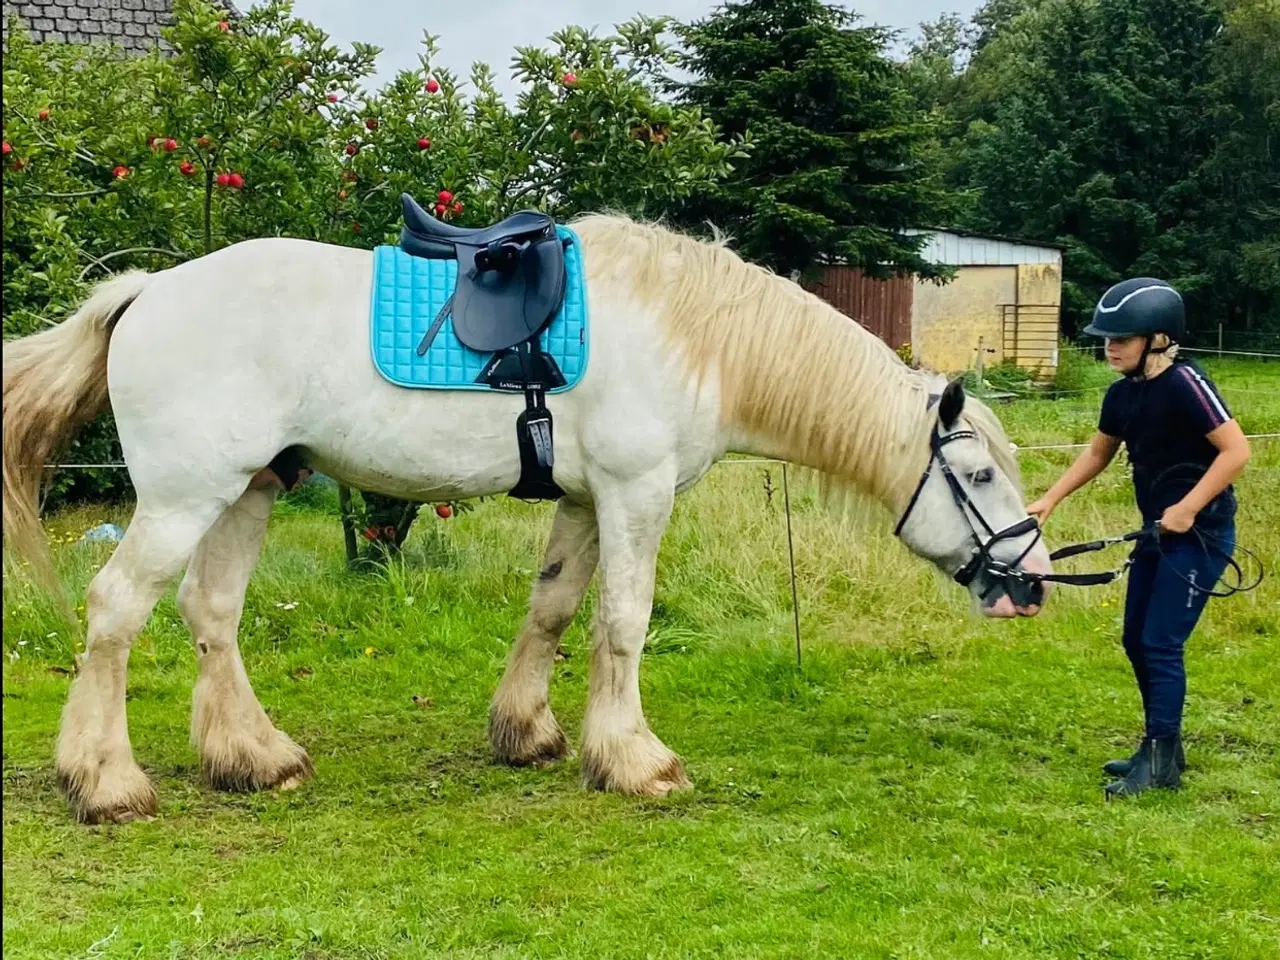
<point x="511" y="275"/>
<point x="511" y="284"/>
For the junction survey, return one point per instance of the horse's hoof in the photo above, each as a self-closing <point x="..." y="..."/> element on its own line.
<point x="533" y="741"/>
<point x="672" y="779"/>
<point x="115" y="795"/>
<point x="244" y="766"/>
<point x="642" y="766"/>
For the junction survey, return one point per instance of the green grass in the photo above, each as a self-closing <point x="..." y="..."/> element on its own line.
<point x="926" y="786"/>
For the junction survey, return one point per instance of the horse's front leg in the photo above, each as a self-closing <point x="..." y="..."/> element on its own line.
<point x="619" y="752"/>
<point x="522" y="728"/>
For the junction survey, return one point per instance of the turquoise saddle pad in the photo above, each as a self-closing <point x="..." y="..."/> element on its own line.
<point x="408" y="293"/>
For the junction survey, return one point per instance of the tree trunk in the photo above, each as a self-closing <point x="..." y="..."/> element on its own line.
<point x="383" y="525"/>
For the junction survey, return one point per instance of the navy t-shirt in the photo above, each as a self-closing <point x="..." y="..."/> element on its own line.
<point x="1163" y="423"/>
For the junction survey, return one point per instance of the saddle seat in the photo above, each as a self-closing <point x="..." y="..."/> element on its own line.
<point x="425" y="236"/>
<point x="511" y="274"/>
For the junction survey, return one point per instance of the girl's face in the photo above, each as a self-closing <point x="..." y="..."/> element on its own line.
<point x="1123" y="353"/>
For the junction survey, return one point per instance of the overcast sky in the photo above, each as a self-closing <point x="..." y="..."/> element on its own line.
<point x="490" y="30"/>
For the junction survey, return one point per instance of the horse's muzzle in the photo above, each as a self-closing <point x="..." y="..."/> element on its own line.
<point x="1010" y="594"/>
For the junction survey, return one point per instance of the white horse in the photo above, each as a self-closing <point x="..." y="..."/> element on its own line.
<point x="213" y="367"/>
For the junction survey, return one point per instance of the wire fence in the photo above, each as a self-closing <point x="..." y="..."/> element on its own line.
<point x="730" y="460"/>
<point x="1208" y="351"/>
<point x="795" y="597"/>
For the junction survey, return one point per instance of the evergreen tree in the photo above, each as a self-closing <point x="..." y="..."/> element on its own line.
<point x="1239" y="225"/>
<point x="839" y="162"/>
<point x="1087" y="122"/>
<point x="1139" y="134"/>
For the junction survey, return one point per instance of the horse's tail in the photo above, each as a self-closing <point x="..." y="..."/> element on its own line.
<point x="55" y="382"/>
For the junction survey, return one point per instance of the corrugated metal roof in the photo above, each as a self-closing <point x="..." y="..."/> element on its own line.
<point x="959" y="248"/>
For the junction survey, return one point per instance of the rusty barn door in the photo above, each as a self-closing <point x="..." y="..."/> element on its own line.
<point x="882" y="306"/>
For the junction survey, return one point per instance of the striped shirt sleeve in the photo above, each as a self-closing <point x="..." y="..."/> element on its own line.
<point x="1201" y="402"/>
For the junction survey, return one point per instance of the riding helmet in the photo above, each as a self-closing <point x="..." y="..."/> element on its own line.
<point x="1140" y="306"/>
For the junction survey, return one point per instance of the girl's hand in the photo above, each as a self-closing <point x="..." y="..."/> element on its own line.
<point x="1041" y="509"/>
<point x="1178" y="519"/>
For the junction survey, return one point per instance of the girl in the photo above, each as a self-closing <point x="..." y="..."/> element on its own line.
<point x="1185" y="449"/>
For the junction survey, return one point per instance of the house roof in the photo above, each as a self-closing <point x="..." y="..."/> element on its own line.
<point x="133" y="25"/>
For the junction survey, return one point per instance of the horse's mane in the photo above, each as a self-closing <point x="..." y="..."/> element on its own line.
<point x="790" y="366"/>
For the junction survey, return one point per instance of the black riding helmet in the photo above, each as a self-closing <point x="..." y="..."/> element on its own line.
<point x="1141" y="306"/>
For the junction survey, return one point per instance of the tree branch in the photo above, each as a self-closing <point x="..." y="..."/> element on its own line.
<point x="88" y="158"/>
<point x="64" y="196"/>
<point x="99" y="261"/>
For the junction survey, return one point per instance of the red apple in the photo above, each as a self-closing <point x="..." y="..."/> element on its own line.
<point x="457" y="206"/>
<point x="224" y="26"/>
<point x="569" y="79"/>
<point x="202" y="142"/>
<point x="424" y="143"/>
<point x="352" y="149"/>
<point x="7" y="148"/>
<point x="444" y="511"/>
<point x="444" y="196"/>
<point x="120" y="172"/>
<point x="235" y="181"/>
<point x="431" y="86"/>
<point x="223" y="179"/>
<point x="186" y="168"/>
<point x="332" y="98"/>
<point x="371" y="123"/>
<point x="43" y="115"/>
<point x="171" y="145"/>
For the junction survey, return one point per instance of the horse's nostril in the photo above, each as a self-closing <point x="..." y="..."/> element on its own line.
<point x="1037" y="594"/>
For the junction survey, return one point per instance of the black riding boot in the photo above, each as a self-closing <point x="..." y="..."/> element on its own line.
<point x="1121" y="768"/>
<point x="1155" y="765"/>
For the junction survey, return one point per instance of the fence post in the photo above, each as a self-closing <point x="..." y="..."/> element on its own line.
<point x="1219" y="338"/>
<point x="981" y="354"/>
<point x="348" y="529"/>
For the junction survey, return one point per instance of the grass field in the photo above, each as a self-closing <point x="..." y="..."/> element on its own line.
<point x="926" y="785"/>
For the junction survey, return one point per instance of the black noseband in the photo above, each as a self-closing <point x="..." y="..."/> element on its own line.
<point x="981" y="559"/>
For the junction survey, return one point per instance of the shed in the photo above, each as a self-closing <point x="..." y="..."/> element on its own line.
<point x="1004" y="300"/>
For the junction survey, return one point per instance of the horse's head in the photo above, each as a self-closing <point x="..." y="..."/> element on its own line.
<point x="967" y="516"/>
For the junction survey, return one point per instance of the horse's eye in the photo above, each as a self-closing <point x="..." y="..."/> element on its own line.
<point x="982" y="476"/>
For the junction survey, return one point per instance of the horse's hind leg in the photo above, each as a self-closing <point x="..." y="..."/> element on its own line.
<point x="239" y="747"/>
<point x="522" y="728"/>
<point x="95" y="761"/>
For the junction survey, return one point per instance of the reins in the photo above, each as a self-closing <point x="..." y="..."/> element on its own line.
<point x="1208" y="542"/>
<point x="998" y="571"/>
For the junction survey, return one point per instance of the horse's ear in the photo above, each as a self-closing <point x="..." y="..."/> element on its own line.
<point x="951" y="404"/>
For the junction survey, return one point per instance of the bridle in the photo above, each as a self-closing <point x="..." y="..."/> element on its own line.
<point x="1009" y="575"/>
<point x="980" y="560"/>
